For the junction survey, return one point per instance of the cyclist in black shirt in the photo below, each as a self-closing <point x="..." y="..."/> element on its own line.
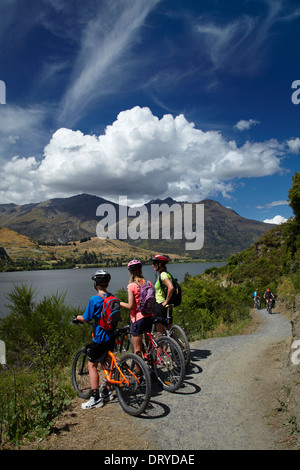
<point x="268" y="296"/>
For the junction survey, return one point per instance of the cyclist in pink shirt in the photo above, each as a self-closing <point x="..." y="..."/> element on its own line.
<point x="140" y="322"/>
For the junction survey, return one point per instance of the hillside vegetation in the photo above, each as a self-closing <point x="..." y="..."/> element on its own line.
<point x="19" y="252"/>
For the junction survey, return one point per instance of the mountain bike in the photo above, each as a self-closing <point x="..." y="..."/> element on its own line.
<point x="165" y="358"/>
<point x="129" y="376"/>
<point x="257" y="302"/>
<point x="269" y="306"/>
<point x="178" y="334"/>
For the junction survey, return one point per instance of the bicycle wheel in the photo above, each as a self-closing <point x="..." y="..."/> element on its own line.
<point x="270" y="308"/>
<point x="135" y="397"/>
<point x="168" y="363"/>
<point x="80" y="374"/>
<point x="177" y="333"/>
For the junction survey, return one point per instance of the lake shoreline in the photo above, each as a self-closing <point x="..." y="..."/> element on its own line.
<point x="77" y="285"/>
<point x="102" y="265"/>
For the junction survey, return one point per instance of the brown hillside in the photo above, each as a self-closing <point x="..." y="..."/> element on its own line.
<point x="19" y="246"/>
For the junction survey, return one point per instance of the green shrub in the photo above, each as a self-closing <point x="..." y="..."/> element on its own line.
<point x="40" y="342"/>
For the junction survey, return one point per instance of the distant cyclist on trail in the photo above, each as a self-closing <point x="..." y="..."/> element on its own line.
<point x="268" y="296"/>
<point x="163" y="292"/>
<point x="256" y="298"/>
<point x="102" y="342"/>
<point x="141" y="322"/>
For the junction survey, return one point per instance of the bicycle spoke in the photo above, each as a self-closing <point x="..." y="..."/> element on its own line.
<point x="169" y="365"/>
<point x="177" y="333"/>
<point x="80" y="374"/>
<point x="134" y="392"/>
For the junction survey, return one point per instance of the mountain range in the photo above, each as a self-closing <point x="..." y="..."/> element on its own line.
<point x="62" y="220"/>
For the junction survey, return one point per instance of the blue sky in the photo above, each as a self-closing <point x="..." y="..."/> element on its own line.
<point x="151" y="98"/>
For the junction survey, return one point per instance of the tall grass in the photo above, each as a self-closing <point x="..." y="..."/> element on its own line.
<point x="34" y="386"/>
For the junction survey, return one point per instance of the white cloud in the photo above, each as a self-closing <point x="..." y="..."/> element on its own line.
<point x="142" y="157"/>
<point x="273" y="204"/>
<point x="278" y="219"/>
<point x="240" y="46"/>
<point x="20" y="129"/>
<point x="245" y="125"/>
<point x="294" y="145"/>
<point x="103" y="59"/>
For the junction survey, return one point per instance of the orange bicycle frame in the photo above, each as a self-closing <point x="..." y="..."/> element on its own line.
<point x="108" y="372"/>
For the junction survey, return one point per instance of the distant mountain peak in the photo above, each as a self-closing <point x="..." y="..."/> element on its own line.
<point x="61" y="220"/>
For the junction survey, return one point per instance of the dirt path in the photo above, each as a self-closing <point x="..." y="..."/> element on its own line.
<point x="229" y="400"/>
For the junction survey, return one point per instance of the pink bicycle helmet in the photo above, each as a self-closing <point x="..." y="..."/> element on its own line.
<point x="134" y="264"/>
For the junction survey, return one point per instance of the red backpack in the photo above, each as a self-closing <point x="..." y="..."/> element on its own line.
<point x="111" y="313"/>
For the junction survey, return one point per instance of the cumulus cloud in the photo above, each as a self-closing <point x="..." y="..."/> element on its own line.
<point x="245" y="125"/>
<point x="278" y="219"/>
<point x="294" y="145"/>
<point x="142" y="157"/>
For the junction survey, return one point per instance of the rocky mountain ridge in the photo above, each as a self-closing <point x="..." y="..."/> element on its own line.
<point x="63" y="220"/>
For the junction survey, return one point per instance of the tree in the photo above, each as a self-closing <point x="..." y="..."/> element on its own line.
<point x="294" y="195"/>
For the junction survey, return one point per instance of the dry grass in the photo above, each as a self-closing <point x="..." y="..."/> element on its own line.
<point x="19" y="246"/>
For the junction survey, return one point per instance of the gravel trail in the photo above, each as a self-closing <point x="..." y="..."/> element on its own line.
<point x="230" y="385"/>
<point x="227" y="402"/>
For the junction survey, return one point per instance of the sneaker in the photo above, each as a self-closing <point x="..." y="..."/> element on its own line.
<point x="106" y="395"/>
<point x="92" y="403"/>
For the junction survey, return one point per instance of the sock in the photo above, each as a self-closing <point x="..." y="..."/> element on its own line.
<point x="95" y="393"/>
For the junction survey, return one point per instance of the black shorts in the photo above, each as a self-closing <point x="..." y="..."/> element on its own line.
<point x="97" y="352"/>
<point x="160" y="314"/>
<point x="139" y="327"/>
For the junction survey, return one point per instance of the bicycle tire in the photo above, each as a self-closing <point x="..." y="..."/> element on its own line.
<point x="169" y="368"/>
<point x="80" y="374"/>
<point x="177" y="333"/>
<point x="270" y="309"/>
<point x="134" y="398"/>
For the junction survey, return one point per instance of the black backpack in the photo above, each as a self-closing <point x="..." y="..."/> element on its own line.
<point x="176" y="296"/>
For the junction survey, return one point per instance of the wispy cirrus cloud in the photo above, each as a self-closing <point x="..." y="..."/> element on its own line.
<point x="104" y="55"/>
<point x="240" y="45"/>
<point x="22" y="130"/>
<point x="272" y="204"/>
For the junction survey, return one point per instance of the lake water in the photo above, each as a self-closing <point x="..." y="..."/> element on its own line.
<point x="77" y="285"/>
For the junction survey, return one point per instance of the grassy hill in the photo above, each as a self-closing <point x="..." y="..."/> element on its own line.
<point x="273" y="261"/>
<point x="24" y="252"/>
